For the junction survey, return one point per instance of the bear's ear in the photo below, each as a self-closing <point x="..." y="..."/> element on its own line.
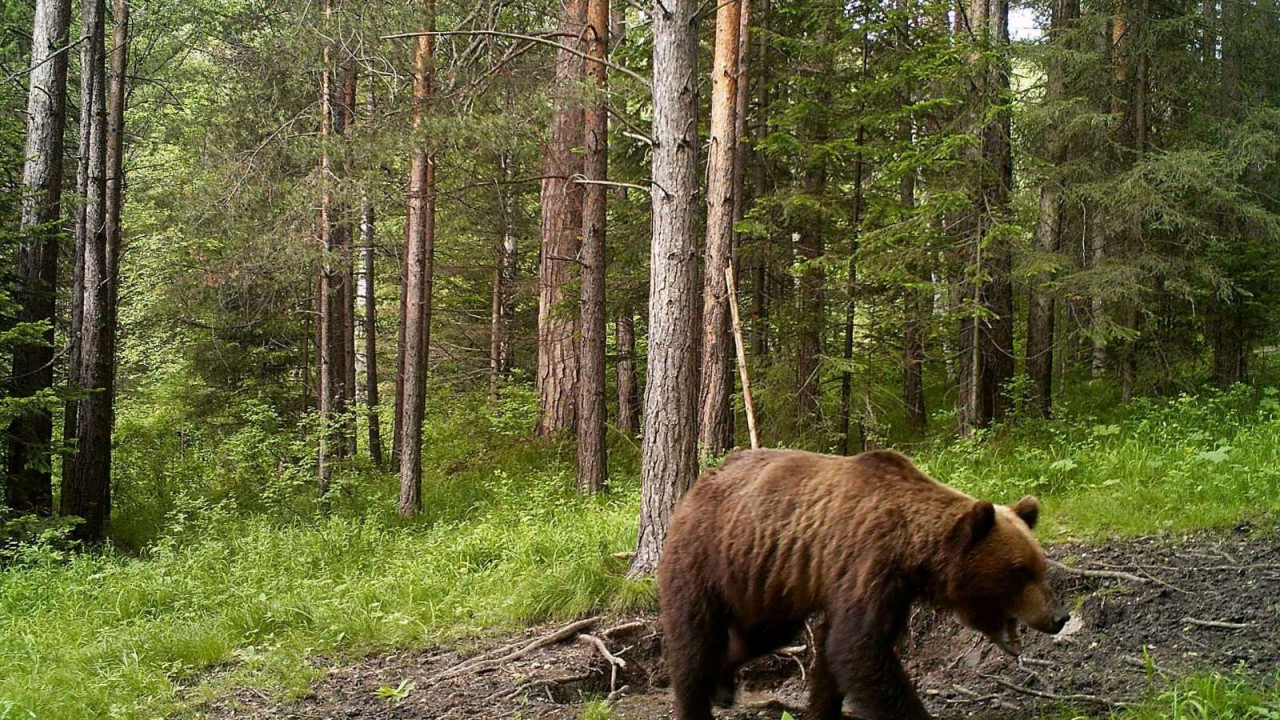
<point x="974" y="524"/>
<point x="1028" y="508"/>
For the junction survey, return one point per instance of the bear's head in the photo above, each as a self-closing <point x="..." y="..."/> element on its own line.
<point x="997" y="573"/>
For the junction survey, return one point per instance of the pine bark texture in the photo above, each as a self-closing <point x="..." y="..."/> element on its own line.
<point x="561" y="232"/>
<point x="419" y="261"/>
<point x="86" y="491"/>
<point x="28" y="486"/>
<point x="90" y="185"/>
<point x="591" y="404"/>
<point x="669" y="461"/>
<point x="715" y="430"/>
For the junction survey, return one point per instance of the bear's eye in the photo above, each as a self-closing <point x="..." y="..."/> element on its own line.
<point x="1020" y="573"/>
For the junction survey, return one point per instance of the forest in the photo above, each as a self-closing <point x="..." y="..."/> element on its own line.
<point x="355" y="356"/>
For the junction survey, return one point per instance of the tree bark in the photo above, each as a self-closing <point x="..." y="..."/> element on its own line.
<point x="715" y="432"/>
<point x="28" y="483"/>
<point x="419" y="261"/>
<point x="329" y="353"/>
<point x="86" y="492"/>
<point x="346" y="112"/>
<point x="591" y="404"/>
<point x="851" y="289"/>
<point x="502" y="299"/>
<point x="90" y="186"/>
<point x="1041" y="309"/>
<point x="370" y="311"/>
<point x="990" y="365"/>
<point x="561" y="229"/>
<point x="669" y="449"/>
<point x="628" y="386"/>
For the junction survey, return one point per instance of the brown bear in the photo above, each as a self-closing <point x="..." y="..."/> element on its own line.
<point x="775" y="536"/>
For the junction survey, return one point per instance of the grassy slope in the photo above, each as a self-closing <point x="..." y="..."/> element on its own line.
<point x="505" y="542"/>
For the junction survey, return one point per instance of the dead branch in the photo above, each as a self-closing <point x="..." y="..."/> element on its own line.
<point x="485" y="663"/>
<point x="624" y="627"/>
<point x="1108" y="574"/>
<point x="1219" y="624"/>
<point x="617" y="694"/>
<point x="1074" y="697"/>
<point x="615" y="662"/>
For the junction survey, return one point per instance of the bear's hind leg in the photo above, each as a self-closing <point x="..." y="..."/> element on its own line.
<point x="746" y="645"/>
<point x="695" y="639"/>
<point x="825" y="699"/>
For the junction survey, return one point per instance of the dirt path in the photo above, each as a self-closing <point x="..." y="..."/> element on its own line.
<point x="1152" y="606"/>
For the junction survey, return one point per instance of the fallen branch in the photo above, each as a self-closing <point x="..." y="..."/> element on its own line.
<point x="623" y="628"/>
<point x="774" y="704"/>
<point x="616" y="694"/>
<point x="1076" y="697"/>
<point x="615" y="662"/>
<point x="484" y="664"/>
<point x="1108" y="574"/>
<point x="1221" y="625"/>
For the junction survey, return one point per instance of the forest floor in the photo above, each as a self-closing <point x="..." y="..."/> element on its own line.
<point x="1147" y="612"/>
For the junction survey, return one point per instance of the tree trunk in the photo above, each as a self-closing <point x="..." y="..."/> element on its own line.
<point x="989" y="366"/>
<point x="502" y="300"/>
<point x="397" y="419"/>
<point x="28" y="486"/>
<point x="419" y="260"/>
<point x="329" y="352"/>
<point x="561" y="229"/>
<point x="669" y="462"/>
<point x="86" y="492"/>
<point x="90" y="187"/>
<point x="851" y="289"/>
<point x="715" y="431"/>
<point x="347" y="112"/>
<point x="370" y="325"/>
<point x="592" y="412"/>
<point x="1041" y="309"/>
<point x="628" y="386"/>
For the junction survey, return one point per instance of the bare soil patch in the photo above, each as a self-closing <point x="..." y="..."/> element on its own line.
<point x="1147" y="611"/>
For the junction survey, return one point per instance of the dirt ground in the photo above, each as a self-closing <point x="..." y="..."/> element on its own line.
<point x="1147" y="610"/>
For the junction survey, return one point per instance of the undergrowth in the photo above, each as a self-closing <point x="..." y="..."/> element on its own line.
<point x="229" y="572"/>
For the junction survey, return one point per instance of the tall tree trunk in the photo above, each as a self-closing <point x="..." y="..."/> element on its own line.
<point x="90" y="186"/>
<point x="760" y="271"/>
<point x="1041" y="309"/>
<point x="346" y="110"/>
<point x="851" y="289"/>
<point x="86" y="491"/>
<point x="502" y="299"/>
<point x="715" y="431"/>
<point x="397" y="419"/>
<point x="669" y="461"/>
<point x="592" y="407"/>
<point x="329" y="352"/>
<point x="369" y="307"/>
<point x="990" y="365"/>
<point x="28" y="484"/>
<point x="561" y="229"/>
<point x="628" y="386"/>
<point x="916" y="310"/>
<point x="419" y="261"/>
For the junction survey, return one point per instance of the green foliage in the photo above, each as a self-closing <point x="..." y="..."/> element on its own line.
<point x="1214" y="696"/>
<point x="1181" y="464"/>
<point x="258" y="587"/>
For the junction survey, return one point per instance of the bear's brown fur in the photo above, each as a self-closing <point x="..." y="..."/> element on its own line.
<point x="774" y="536"/>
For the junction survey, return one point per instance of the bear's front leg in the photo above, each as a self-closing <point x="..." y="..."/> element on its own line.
<point x="861" y="658"/>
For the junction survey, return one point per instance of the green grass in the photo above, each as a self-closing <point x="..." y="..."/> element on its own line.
<point x="222" y="595"/>
<point x="1213" y="696"/>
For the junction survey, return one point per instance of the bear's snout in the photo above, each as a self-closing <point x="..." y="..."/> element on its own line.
<point x="1060" y="619"/>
